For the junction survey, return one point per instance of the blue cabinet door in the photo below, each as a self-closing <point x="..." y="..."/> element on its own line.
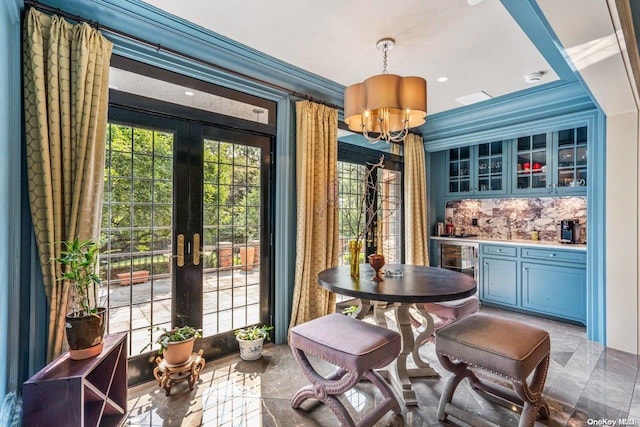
<point x="459" y="172"/>
<point x="558" y="290"/>
<point x="499" y="282"/>
<point x="532" y="165"/>
<point x="570" y="155"/>
<point x="490" y="164"/>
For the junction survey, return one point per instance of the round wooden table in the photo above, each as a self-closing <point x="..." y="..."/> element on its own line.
<point x="413" y="284"/>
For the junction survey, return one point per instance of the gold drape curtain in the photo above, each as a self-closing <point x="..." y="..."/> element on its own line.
<point x="415" y="202"/>
<point x="66" y="77"/>
<point x="317" y="214"/>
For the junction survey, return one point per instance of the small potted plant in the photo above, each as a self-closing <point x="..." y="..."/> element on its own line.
<point x="176" y="345"/>
<point x="85" y="323"/>
<point x="251" y="340"/>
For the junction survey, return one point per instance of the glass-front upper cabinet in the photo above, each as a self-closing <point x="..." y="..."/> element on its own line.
<point x="551" y="163"/>
<point x="489" y="164"/>
<point x="459" y="176"/>
<point x="571" y="153"/>
<point x="532" y="163"/>
<point x="477" y="170"/>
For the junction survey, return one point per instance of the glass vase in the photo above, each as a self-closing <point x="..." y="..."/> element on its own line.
<point x="354" y="257"/>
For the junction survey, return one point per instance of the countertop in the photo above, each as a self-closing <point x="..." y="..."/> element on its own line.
<point x="515" y="242"/>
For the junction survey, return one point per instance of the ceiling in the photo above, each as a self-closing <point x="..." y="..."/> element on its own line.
<point x="479" y="45"/>
<point x="479" y="48"/>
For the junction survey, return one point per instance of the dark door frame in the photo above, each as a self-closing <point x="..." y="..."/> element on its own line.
<point x="190" y="127"/>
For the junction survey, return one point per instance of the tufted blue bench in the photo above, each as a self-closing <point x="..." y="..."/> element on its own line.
<point x="356" y="348"/>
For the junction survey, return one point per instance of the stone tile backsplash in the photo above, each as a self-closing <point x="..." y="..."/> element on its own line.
<point x="524" y="215"/>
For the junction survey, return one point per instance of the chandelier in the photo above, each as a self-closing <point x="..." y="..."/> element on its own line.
<point x="386" y="104"/>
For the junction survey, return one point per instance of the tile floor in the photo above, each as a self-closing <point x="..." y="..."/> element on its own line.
<point x="587" y="384"/>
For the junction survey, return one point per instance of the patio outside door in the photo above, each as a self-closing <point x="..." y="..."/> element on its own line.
<point x="185" y="232"/>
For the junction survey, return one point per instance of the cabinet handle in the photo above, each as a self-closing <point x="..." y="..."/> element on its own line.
<point x="524" y="269"/>
<point x="499" y="250"/>
<point x="552" y="255"/>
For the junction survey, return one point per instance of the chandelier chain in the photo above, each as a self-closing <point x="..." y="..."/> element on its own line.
<point x="384" y="58"/>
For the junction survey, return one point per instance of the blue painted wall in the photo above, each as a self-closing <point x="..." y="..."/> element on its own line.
<point x="10" y="202"/>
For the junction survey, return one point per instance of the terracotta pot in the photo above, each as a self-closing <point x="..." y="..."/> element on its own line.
<point x="247" y="256"/>
<point x="85" y="334"/>
<point x="250" y="350"/>
<point x="178" y="353"/>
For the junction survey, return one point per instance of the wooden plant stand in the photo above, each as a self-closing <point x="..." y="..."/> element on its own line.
<point x="90" y="392"/>
<point x="169" y="375"/>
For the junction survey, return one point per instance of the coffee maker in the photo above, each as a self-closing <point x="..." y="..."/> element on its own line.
<point x="570" y="231"/>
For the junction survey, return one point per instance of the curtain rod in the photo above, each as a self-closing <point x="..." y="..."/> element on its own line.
<point x="52" y="10"/>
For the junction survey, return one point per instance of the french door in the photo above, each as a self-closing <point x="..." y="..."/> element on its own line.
<point x="185" y="231"/>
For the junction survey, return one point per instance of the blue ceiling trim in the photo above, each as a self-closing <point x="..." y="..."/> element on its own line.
<point x="547" y="101"/>
<point x="530" y="18"/>
<point x="144" y="21"/>
<point x="513" y="130"/>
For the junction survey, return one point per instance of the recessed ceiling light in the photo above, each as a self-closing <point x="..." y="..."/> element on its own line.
<point x="473" y="98"/>
<point x="474" y="2"/>
<point x="442" y="79"/>
<point x="188" y="93"/>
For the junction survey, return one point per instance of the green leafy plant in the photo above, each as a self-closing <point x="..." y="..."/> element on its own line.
<point x="254" y="332"/>
<point x="79" y="265"/>
<point x="174" y="335"/>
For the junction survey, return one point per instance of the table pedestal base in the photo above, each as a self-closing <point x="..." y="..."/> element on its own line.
<point x="397" y="373"/>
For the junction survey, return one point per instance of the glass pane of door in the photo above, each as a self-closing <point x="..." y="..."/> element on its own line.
<point x="136" y="233"/>
<point x="232" y="206"/>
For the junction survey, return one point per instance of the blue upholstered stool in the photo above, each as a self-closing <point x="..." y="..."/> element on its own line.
<point x="356" y="348"/>
<point x="510" y="350"/>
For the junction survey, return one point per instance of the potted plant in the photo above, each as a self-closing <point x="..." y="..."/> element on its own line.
<point x="251" y="340"/>
<point x="176" y="345"/>
<point x="85" y="322"/>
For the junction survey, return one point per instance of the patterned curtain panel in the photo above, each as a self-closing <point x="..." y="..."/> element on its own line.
<point x="415" y="202"/>
<point x="66" y="77"/>
<point x="317" y="219"/>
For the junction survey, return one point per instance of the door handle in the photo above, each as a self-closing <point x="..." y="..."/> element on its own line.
<point x="197" y="253"/>
<point x="180" y="250"/>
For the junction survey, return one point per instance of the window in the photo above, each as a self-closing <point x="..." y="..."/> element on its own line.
<point x="353" y="167"/>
